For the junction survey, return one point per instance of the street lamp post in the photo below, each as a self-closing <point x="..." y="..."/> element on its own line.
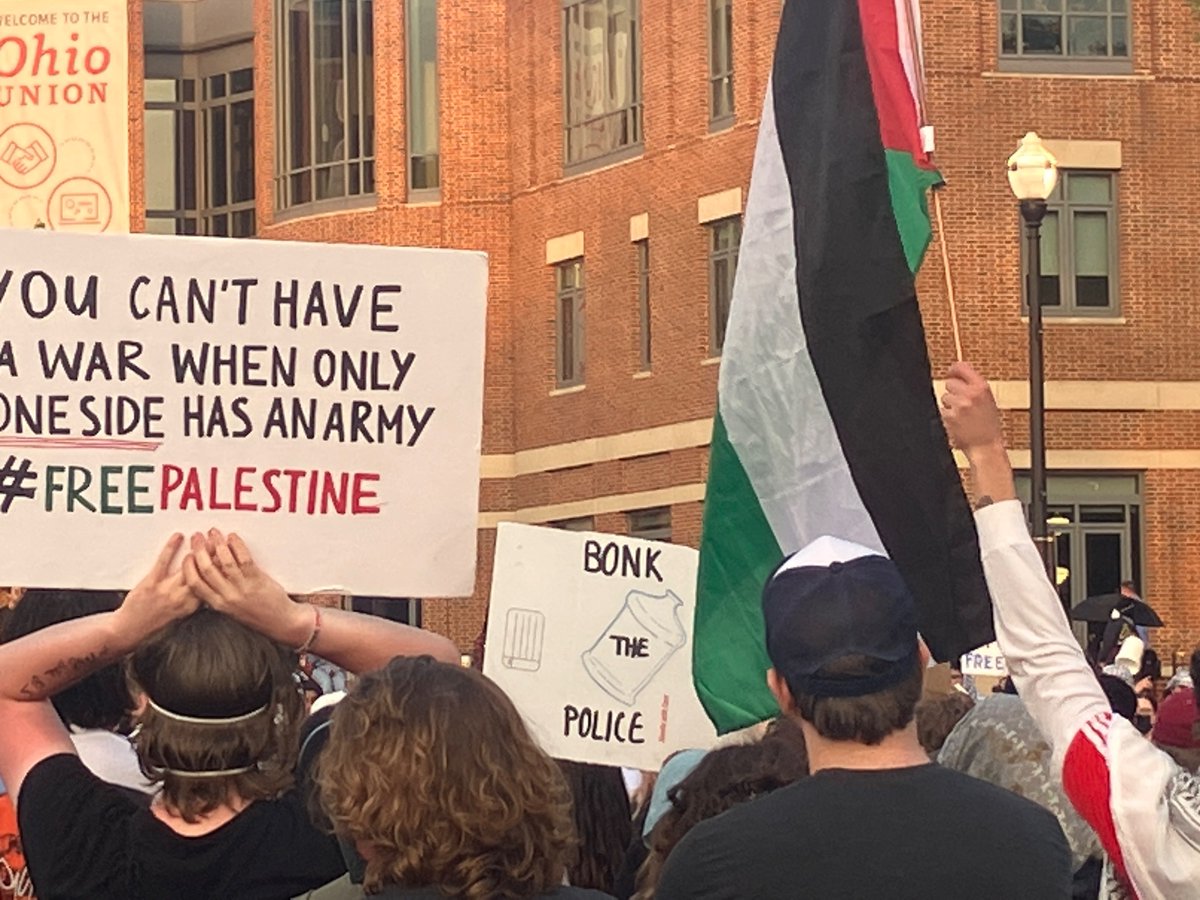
<point x="1032" y="174"/>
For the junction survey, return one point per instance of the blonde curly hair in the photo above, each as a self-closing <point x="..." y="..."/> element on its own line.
<point x="431" y="772"/>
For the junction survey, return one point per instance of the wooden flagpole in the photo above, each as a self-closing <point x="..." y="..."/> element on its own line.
<point x="937" y="207"/>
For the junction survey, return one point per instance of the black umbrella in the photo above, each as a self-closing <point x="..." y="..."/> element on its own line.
<point x="1100" y="609"/>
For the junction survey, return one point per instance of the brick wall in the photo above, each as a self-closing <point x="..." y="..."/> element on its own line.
<point x="504" y="191"/>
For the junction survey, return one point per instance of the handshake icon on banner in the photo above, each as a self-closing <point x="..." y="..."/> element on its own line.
<point x="24" y="159"/>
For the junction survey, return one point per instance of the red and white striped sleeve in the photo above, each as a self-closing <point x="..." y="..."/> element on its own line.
<point x="1143" y="807"/>
<point x="1087" y="782"/>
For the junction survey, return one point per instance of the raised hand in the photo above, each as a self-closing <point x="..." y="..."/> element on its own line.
<point x="970" y="412"/>
<point x="973" y="422"/>
<point x="221" y="571"/>
<point x="160" y="598"/>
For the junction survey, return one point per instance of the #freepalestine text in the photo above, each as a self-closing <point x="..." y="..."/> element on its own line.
<point x="129" y="390"/>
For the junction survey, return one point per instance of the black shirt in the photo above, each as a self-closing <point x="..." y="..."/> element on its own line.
<point x="429" y="893"/>
<point x="921" y="833"/>
<point x="84" y="838"/>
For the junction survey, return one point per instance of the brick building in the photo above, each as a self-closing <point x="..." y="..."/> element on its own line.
<point x="600" y="151"/>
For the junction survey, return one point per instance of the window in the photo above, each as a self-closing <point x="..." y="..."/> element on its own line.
<point x="420" y="24"/>
<point x="569" y="278"/>
<point x="172" y="179"/>
<point x="726" y="237"/>
<point x="200" y="155"/>
<point x="602" y="97"/>
<point x="1078" y="32"/>
<point x="643" y="278"/>
<point x="579" y="523"/>
<point x="228" y="111"/>
<point x="651" y="524"/>
<point x="395" y="609"/>
<point x="325" y="90"/>
<point x="1079" y="246"/>
<point x="720" y="60"/>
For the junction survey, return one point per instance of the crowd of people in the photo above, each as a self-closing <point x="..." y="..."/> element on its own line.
<point x="207" y="736"/>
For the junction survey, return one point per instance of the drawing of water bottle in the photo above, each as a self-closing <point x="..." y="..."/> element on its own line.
<point x="642" y="638"/>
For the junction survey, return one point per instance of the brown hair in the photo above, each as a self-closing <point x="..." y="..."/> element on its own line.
<point x="723" y="779"/>
<point x="937" y="716"/>
<point x="865" y="720"/>
<point x="209" y="666"/>
<point x="431" y="770"/>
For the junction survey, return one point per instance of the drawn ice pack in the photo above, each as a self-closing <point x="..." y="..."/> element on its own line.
<point x="635" y="646"/>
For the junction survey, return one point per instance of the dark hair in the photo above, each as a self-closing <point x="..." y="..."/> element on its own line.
<point x="790" y="735"/>
<point x="937" y="716"/>
<point x="724" y="779"/>
<point x="1151" y="666"/>
<point x="865" y="720"/>
<point x="1194" y="671"/>
<point x="100" y="701"/>
<point x="1120" y="696"/>
<point x="209" y="666"/>
<point x="603" y="822"/>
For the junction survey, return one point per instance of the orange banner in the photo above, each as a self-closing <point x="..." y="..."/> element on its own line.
<point x="64" y="115"/>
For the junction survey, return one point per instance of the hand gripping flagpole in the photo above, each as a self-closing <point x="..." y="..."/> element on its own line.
<point x="928" y="145"/>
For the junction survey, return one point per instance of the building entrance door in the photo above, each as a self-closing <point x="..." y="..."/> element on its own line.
<point x="1096" y="523"/>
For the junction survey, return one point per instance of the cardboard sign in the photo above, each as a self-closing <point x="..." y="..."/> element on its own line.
<point x="987" y="660"/>
<point x="325" y="402"/>
<point x="591" y="637"/>
<point x="64" y="136"/>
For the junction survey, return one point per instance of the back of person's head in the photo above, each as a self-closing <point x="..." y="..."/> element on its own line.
<point x="783" y="745"/>
<point x="603" y="822"/>
<point x="100" y="701"/>
<point x="1151" y="666"/>
<point x="221" y="716"/>
<point x="431" y="767"/>
<point x="937" y="716"/>
<point x="1177" y="728"/>
<point x="1121" y="697"/>
<point x="866" y="719"/>
<point x="842" y="638"/>
<point x="1006" y="685"/>
<point x="722" y="780"/>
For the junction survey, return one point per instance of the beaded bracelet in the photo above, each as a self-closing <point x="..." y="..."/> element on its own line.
<point x="312" y="638"/>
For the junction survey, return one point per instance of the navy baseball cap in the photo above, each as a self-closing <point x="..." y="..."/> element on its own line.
<point x="835" y="599"/>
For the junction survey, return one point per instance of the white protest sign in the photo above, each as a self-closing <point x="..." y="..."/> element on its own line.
<point x="987" y="660"/>
<point x="591" y="637"/>
<point x="323" y="401"/>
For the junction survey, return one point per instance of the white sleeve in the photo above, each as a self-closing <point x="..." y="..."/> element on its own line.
<point x="1044" y="659"/>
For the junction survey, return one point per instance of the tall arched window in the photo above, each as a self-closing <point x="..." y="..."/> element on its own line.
<point x="324" y="101"/>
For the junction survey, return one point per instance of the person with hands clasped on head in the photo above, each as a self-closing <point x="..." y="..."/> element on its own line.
<point x="1144" y="807"/>
<point x="208" y="645"/>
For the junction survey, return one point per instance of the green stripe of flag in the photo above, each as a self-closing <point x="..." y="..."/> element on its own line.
<point x="909" y="185"/>
<point x="738" y="551"/>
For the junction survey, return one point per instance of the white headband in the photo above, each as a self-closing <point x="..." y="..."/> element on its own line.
<point x="193" y="720"/>
<point x="218" y="773"/>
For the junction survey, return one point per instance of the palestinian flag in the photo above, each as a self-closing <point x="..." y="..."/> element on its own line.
<point x="827" y="422"/>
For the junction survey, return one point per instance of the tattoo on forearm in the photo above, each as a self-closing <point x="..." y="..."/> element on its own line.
<point x="63" y="674"/>
<point x="983" y="501"/>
